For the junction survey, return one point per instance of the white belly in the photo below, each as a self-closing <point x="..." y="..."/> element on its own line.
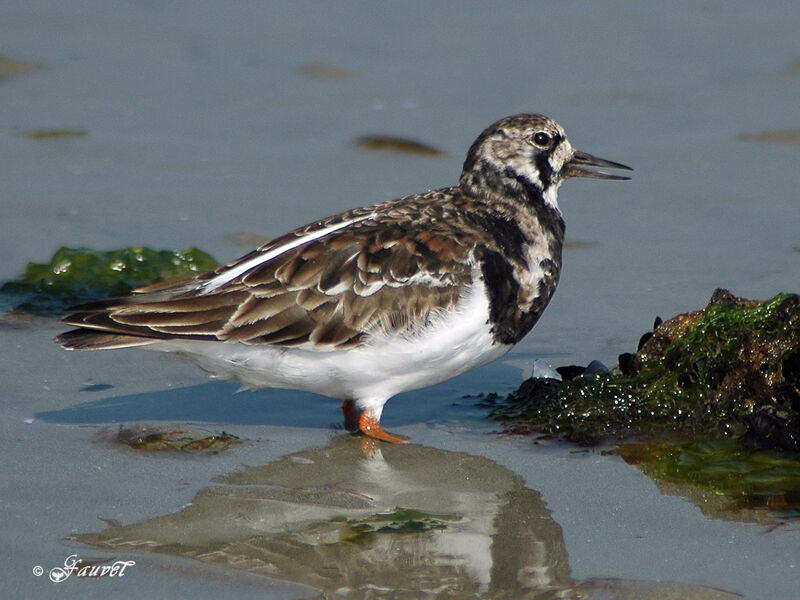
<point x="454" y="343"/>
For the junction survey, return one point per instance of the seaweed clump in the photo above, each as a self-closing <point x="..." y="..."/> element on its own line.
<point x="730" y="369"/>
<point x="158" y="439"/>
<point x="400" y="520"/>
<point x="76" y="275"/>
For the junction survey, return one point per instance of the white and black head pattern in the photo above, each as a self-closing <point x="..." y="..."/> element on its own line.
<point x="527" y="155"/>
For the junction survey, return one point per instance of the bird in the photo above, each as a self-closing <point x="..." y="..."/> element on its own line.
<point x="378" y="300"/>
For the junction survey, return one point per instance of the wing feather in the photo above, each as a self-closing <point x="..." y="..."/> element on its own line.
<point x="388" y="277"/>
<point x="256" y="309"/>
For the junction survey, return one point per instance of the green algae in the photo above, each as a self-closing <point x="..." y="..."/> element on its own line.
<point x="733" y="368"/>
<point x="400" y="520"/>
<point x="397" y="144"/>
<point x="784" y="136"/>
<point x="76" y="275"/>
<point x="10" y="66"/>
<point x="44" y="134"/>
<point x="161" y="439"/>
<point x="325" y="70"/>
<point x="723" y="476"/>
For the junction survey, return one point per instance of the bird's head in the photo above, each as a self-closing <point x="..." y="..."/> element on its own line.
<point x="531" y="153"/>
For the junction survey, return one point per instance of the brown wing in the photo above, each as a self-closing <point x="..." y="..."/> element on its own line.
<point x="331" y="292"/>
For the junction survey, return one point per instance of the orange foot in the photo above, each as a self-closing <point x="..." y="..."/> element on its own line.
<point x="367" y="425"/>
<point x="372" y="428"/>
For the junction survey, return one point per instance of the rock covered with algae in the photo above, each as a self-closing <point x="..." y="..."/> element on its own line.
<point x="79" y="274"/>
<point x="730" y="369"/>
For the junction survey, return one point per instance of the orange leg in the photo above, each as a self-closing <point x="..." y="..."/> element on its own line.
<point x="367" y="425"/>
<point x="351" y="415"/>
<point x="371" y="427"/>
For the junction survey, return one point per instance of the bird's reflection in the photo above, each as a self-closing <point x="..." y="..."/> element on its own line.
<point x="402" y="522"/>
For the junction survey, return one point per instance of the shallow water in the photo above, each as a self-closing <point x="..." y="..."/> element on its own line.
<point x="205" y="121"/>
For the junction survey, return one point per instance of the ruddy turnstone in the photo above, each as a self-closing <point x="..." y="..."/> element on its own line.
<point x="378" y="300"/>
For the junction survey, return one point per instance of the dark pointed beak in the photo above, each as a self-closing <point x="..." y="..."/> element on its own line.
<point x="573" y="167"/>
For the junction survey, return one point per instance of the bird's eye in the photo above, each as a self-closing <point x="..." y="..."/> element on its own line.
<point x="542" y="138"/>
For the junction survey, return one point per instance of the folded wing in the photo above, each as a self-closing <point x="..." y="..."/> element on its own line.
<point x="316" y="291"/>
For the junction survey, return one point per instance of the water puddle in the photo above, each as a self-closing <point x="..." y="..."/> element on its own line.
<point x="398" y="522"/>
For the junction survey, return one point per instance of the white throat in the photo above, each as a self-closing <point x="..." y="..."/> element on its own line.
<point x="550" y="197"/>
